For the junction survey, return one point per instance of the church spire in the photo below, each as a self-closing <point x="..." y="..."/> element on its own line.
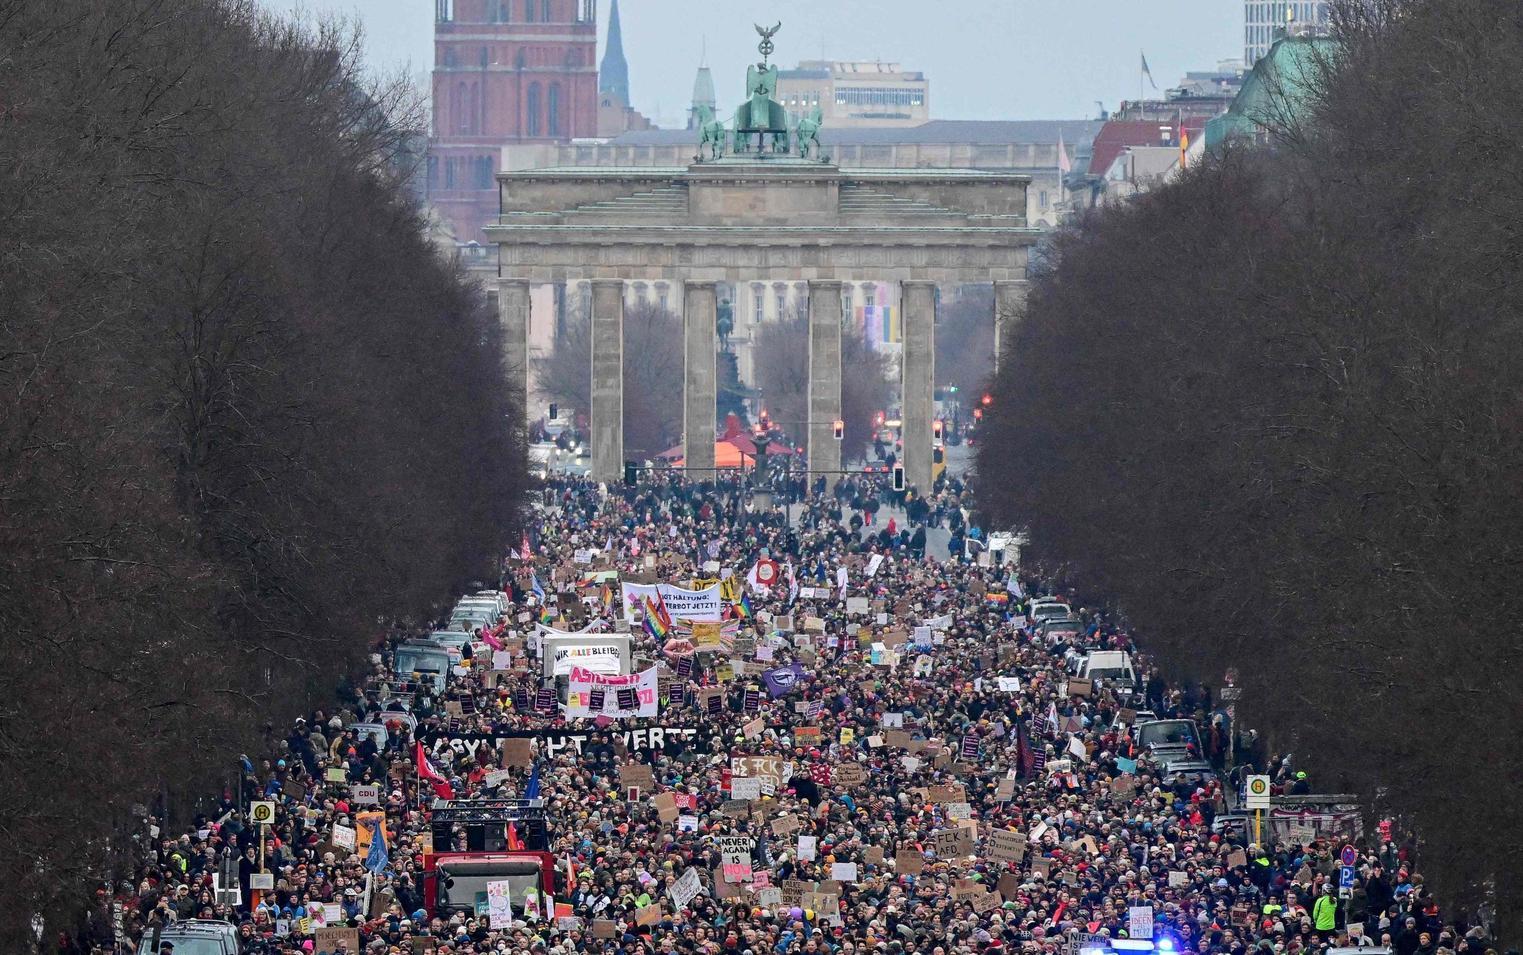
<point x="613" y="74"/>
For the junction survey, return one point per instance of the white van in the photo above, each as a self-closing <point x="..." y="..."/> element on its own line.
<point x="1112" y="667"/>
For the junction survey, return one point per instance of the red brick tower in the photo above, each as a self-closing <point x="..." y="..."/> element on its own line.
<point x="505" y="71"/>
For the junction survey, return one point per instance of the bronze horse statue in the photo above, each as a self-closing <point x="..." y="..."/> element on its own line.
<point x="711" y="132"/>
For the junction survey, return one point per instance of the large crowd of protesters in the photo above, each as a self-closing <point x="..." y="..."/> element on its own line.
<point x="958" y="794"/>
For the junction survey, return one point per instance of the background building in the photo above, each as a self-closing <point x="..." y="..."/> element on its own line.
<point x="505" y="71"/>
<point x="1265" y="21"/>
<point x="855" y="93"/>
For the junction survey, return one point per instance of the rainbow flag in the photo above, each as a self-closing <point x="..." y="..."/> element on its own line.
<point x="545" y="616"/>
<point x="744" y="606"/>
<point x="657" y="623"/>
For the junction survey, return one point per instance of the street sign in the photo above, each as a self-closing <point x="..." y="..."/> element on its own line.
<point x="262" y="813"/>
<point x="1348" y="857"/>
<point x="1345" y="877"/>
<point x="1230" y="694"/>
<point x="1257" y="790"/>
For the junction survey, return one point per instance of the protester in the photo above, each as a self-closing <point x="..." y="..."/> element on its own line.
<point x="950" y="787"/>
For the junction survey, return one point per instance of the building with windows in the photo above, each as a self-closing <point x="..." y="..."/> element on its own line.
<point x="505" y="72"/>
<point x="855" y="93"/>
<point x="1265" y="21"/>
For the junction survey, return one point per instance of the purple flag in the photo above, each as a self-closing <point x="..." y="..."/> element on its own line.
<point x="781" y="680"/>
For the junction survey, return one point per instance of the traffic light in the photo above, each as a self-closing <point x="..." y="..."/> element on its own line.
<point x="553" y="408"/>
<point x="838" y="429"/>
<point x="936" y="429"/>
<point x="898" y="477"/>
<point x="978" y="414"/>
<point x="988" y="399"/>
<point x="631" y="474"/>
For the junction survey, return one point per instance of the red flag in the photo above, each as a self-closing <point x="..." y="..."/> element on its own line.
<point x="515" y="844"/>
<point x="426" y="770"/>
<point x="523" y="548"/>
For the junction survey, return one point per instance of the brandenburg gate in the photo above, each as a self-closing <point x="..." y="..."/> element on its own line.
<point x="763" y="204"/>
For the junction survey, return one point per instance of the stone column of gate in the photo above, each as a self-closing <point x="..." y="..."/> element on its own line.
<point x="700" y="376"/>
<point x="607" y="410"/>
<point x="824" y="404"/>
<point x="919" y="385"/>
<point x="1009" y="306"/>
<point x="513" y="319"/>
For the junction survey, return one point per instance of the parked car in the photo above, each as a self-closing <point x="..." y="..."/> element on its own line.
<point x="1166" y="733"/>
<point x="1047" y="607"/>
<point x="427" y="659"/>
<point x="1193" y="769"/>
<point x="1061" y="627"/>
<point x="193" y="937"/>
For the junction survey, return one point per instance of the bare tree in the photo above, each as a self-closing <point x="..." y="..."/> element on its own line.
<point x="246" y="412"/>
<point x="782" y="375"/>
<point x="1270" y="411"/>
<point x="652" y="374"/>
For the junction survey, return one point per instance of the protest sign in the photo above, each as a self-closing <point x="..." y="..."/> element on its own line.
<point x="499" y="909"/>
<point x="685" y="889"/>
<point x="850" y="774"/>
<point x="909" y="861"/>
<point x="337" y="939"/>
<point x="1007" y="846"/>
<point x="745" y="787"/>
<point x="952" y="843"/>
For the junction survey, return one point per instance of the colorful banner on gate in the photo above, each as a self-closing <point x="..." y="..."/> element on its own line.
<point x="616" y="697"/>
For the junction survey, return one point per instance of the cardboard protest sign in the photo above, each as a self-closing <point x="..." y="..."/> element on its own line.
<point x="1009" y="885"/>
<point x="604" y="928"/>
<point x="785" y="825"/>
<point x="636" y="775"/>
<point x="648" y="914"/>
<point x="665" y="805"/>
<point x="517" y="752"/>
<point x="955" y="792"/>
<point x="909" y="861"/>
<point x="850" y="774"/>
<point x="1007" y="846"/>
<point x="952" y="843"/>
<point x="335" y="940"/>
<point x="794" y="890"/>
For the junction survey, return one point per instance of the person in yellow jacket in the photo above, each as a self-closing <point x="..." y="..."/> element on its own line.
<point x="1324" y="912"/>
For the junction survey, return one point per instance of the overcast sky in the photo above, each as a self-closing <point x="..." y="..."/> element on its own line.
<point x="986" y="59"/>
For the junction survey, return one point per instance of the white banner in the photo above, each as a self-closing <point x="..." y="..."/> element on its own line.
<point x="584" y="685"/>
<point x="545" y="630"/>
<point x="703" y="605"/>
<point x="609" y="655"/>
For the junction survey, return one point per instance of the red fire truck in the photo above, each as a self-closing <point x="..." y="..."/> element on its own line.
<point x="477" y="841"/>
